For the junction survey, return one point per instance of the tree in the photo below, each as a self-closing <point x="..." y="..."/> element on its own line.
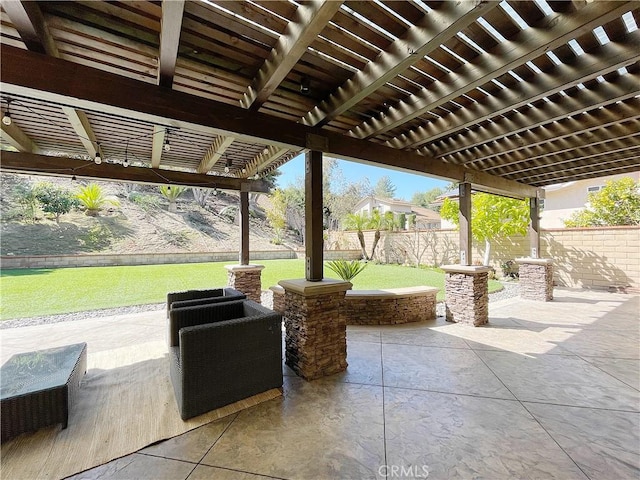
<point x="492" y="218"/>
<point x="425" y="199"/>
<point x="172" y="194"/>
<point x="384" y="188"/>
<point x="93" y="199"/>
<point x="54" y="199"/>
<point x="277" y="214"/>
<point x="618" y="203"/>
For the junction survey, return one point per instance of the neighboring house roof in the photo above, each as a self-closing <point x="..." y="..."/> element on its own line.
<point x="387" y="201"/>
<point x="426" y="213"/>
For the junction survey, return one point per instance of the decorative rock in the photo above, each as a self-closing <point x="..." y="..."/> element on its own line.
<point x="316" y="333"/>
<point x="246" y="279"/>
<point x="467" y="294"/>
<point x="536" y="278"/>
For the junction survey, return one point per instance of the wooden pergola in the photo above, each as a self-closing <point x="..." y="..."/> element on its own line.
<point x="504" y="97"/>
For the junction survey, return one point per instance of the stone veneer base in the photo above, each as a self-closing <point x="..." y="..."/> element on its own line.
<point x="316" y="331"/>
<point x="246" y="279"/>
<point x="467" y="294"/>
<point x="536" y="278"/>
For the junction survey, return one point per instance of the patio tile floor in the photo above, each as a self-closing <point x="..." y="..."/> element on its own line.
<point x="547" y="390"/>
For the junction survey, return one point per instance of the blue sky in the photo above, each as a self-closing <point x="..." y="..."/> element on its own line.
<point x="406" y="184"/>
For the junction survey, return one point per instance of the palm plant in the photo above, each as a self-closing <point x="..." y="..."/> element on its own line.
<point x="346" y="270"/>
<point x="359" y="222"/>
<point x="172" y="194"/>
<point x="93" y="199"/>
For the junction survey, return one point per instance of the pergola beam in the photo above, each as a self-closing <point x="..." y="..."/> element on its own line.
<point x="311" y="19"/>
<point x="157" y="145"/>
<point x="421" y="39"/>
<point x="525" y="46"/>
<point x="82" y="127"/>
<point x="214" y="153"/>
<point x="34" y="164"/>
<point x="603" y="94"/>
<point x="600" y="61"/>
<point x="170" y="28"/>
<point x="14" y="136"/>
<point x="28" y="20"/>
<point x="593" y="120"/>
<point x="72" y="84"/>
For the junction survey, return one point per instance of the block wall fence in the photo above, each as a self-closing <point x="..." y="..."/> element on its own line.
<point x="105" y="260"/>
<point x="583" y="257"/>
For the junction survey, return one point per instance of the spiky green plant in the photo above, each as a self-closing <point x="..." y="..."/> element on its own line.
<point x="93" y="199"/>
<point x="346" y="270"/>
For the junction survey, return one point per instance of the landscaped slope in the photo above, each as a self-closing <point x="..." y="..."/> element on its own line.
<point x="139" y="221"/>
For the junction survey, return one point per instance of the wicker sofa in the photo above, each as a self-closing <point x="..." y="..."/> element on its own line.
<point x="224" y="352"/>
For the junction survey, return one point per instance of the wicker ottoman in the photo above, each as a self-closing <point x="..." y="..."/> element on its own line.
<point x="38" y="388"/>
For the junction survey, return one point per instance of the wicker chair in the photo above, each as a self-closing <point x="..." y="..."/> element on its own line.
<point x="224" y="352"/>
<point x="200" y="297"/>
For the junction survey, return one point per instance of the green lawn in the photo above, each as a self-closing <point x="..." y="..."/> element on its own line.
<point x="33" y="292"/>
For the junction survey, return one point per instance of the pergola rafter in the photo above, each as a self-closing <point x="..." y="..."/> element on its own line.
<point x="600" y="61"/>
<point x="170" y="28"/>
<point x="552" y="32"/>
<point x="418" y="41"/>
<point x="311" y="19"/>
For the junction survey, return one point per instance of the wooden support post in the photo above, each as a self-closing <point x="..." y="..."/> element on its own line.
<point x="313" y="216"/>
<point x="534" y="227"/>
<point x="464" y="195"/>
<point x="244" y="228"/>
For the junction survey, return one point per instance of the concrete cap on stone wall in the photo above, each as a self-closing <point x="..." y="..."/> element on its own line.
<point x="310" y="289"/>
<point x="534" y="261"/>
<point x="277" y="289"/>
<point x="407" y="292"/>
<point x="240" y="268"/>
<point x="468" y="269"/>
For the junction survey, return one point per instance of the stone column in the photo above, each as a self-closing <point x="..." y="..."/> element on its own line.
<point x="246" y="279"/>
<point x="467" y="294"/>
<point x="536" y="278"/>
<point x="316" y="329"/>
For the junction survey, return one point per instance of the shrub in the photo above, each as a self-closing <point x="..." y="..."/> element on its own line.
<point x="145" y="201"/>
<point x="346" y="270"/>
<point x="27" y="200"/>
<point x="54" y="199"/>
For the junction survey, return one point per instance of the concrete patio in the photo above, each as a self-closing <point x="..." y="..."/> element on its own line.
<point x="547" y="390"/>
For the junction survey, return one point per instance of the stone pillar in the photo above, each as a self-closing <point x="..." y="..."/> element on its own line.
<point x="467" y="294"/>
<point x="316" y="328"/>
<point x="536" y="278"/>
<point x="246" y="279"/>
<point x="278" y="299"/>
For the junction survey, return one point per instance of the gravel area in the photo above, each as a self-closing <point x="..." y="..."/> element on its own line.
<point x="510" y="290"/>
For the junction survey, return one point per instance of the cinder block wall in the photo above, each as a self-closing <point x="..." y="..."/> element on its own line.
<point x="584" y="257"/>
